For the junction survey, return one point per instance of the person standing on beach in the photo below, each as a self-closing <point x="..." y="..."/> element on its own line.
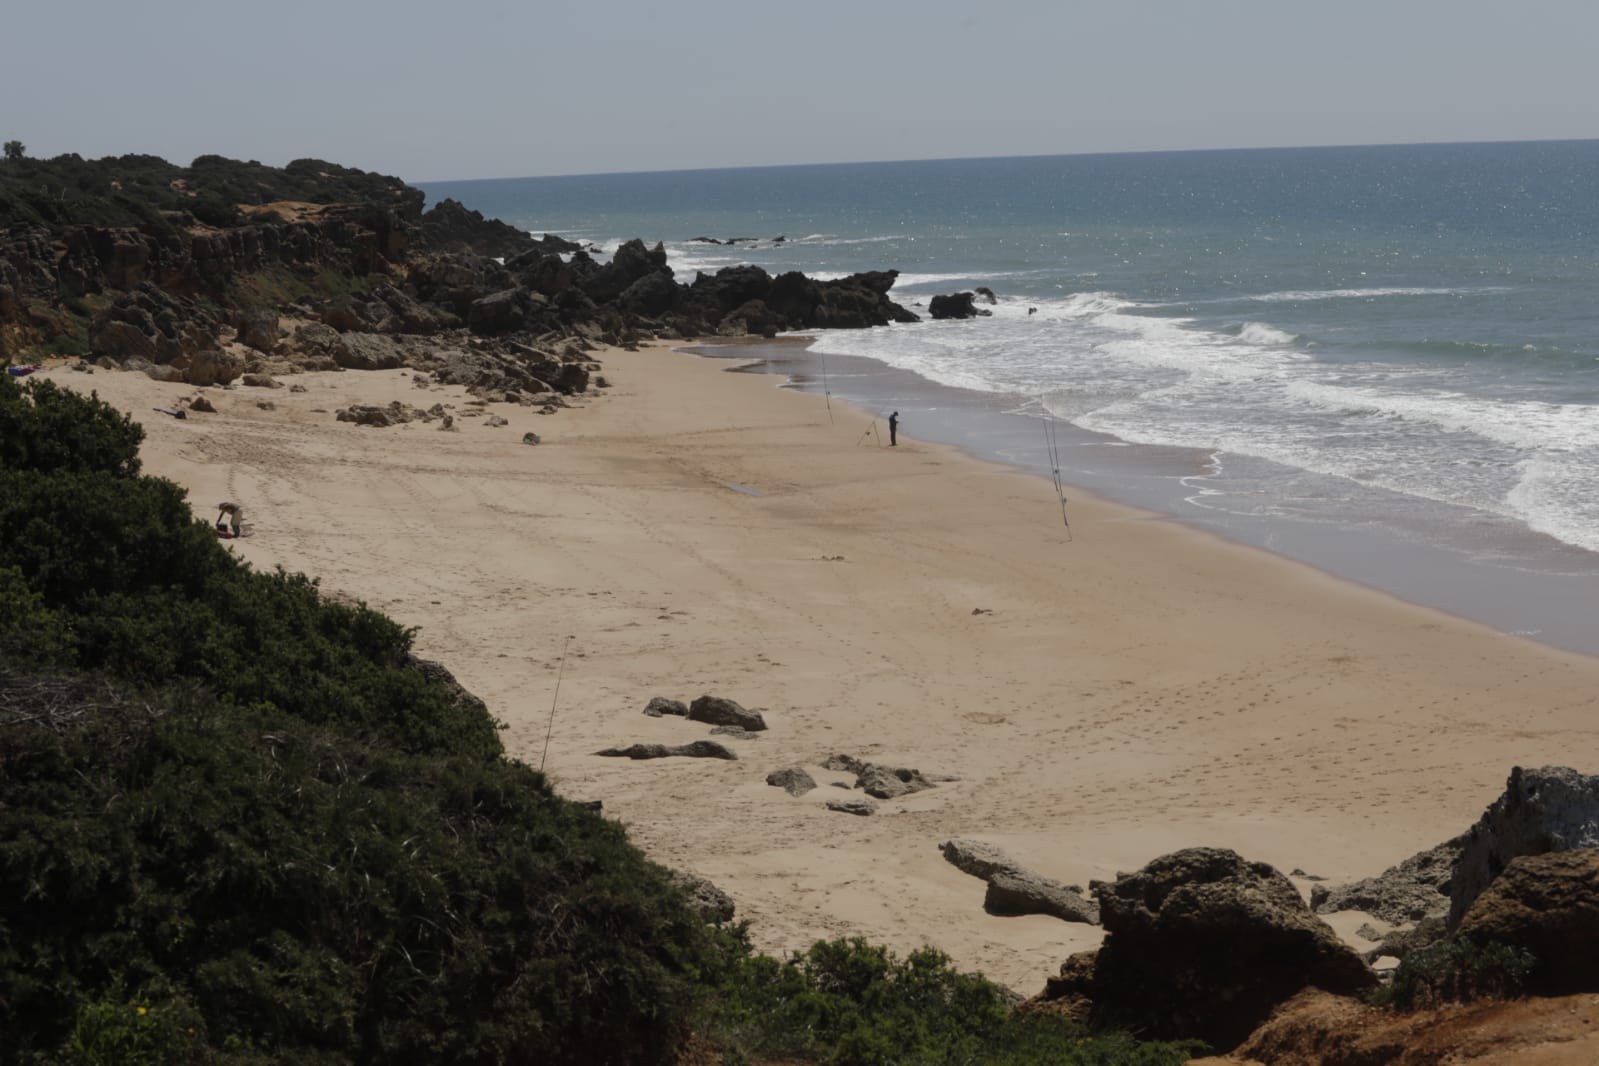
<point x="234" y="514"/>
<point x="893" y="429"/>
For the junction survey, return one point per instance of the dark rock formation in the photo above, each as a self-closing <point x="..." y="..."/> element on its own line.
<point x="857" y="805"/>
<point x="890" y="782"/>
<point x="955" y="305"/>
<point x="1414" y="889"/>
<point x="257" y="328"/>
<point x="792" y="779"/>
<point x="1015" y="890"/>
<point x="714" y="710"/>
<point x="699" y="749"/>
<point x="1403" y="942"/>
<point x="1201" y="943"/>
<point x="846" y="763"/>
<point x="393" y="414"/>
<point x="1548" y="809"/>
<point x="660" y="705"/>
<point x="1549" y="905"/>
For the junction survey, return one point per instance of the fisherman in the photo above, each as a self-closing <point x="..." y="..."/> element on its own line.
<point x="230" y="516"/>
<point x="893" y="429"/>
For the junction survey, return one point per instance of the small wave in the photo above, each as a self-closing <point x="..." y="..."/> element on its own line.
<point x="1260" y="333"/>
<point x="1310" y="295"/>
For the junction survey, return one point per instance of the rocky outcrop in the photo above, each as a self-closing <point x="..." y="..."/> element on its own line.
<point x="1548" y="809"/>
<point x="1015" y="890"/>
<point x="791" y="779"/>
<point x="1549" y="905"/>
<point x="714" y="710"/>
<point x="955" y="305"/>
<point x="699" y="749"/>
<point x="858" y="806"/>
<point x="394" y="413"/>
<point x="1415" y="889"/>
<point x="890" y="782"/>
<point x="708" y="901"/>
<point x="660" y="706"/>
<point x="1203" y="944"/>
<point x="450" y="226"/>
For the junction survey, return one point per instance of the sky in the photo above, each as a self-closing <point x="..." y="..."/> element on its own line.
<point x="511" y="88"/>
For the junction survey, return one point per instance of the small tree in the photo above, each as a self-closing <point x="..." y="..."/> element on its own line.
<point x="15" y="150"/>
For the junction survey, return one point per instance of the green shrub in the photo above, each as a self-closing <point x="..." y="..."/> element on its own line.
<point x="851" y="1003"/>
<point x="47" y="428"/>
<point x="1457" y="971"/>
<point x="309" y="893"/>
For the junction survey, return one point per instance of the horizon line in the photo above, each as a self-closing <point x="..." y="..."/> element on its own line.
<point x="1019" y="155"/>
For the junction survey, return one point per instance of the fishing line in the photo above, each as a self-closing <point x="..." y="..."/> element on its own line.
<point x="553" y="700"/>
<point x="1052" y="443"/>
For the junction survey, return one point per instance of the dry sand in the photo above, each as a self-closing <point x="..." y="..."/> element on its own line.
<point x="1141" y="688"/>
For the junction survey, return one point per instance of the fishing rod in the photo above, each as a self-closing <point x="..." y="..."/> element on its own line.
<point x="553" y="700"/>
<point x="827" y="390"/>
<point x="871" y="431"/>
<point x="1052" y="443"/>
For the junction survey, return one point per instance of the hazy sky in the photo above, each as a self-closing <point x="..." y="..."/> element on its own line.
<point x="501" y="88"/>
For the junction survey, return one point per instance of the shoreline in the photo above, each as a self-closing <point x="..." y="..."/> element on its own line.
<point x="1144" y="688"/>
<point x="1542" y="590"/>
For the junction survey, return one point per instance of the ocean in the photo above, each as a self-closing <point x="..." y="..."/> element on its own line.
<point x="1383" y="361"/>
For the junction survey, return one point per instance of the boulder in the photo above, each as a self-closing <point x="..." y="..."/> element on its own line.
<point x="737" y="732"/>
<point x="708" y="901"/>
<point x="203" y="405"/>
<point x="368" y="351"/>
<point x="660" y="705"/>
<point x="976" y="857"/>
<point x="1203" y="944"/>
<point x="1015" y="892"/>
<point x="1402" y="942"/>
<point x="1552" y="808"/>
<point x="718" y="711"/>
<point x="792" y="779"/>
<point x="846" y="763"/>
<point x="257" y="328"/>
<point x="955" y="305"/>
<point x="1549" y="905"/>
<point x="261" y="381"/>
<point x="858" y="805"/>
<point x="890" y="782"/>
<point x="213" y="367"/>
<point x="1413" y="890"/>
<point x="500" y="312"/>
<point x="699" y="749"/>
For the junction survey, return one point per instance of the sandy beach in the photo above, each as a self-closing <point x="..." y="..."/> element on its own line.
<point x="1103" y="699"/>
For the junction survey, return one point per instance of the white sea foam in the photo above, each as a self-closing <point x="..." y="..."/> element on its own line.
<point x="1260" y="333"/>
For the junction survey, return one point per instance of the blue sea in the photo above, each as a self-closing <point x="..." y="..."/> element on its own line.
<point x="1381" y="360"/>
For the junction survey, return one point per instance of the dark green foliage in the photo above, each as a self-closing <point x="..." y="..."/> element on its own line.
<point x="1457" y="971"/>
<point x="851" y="1003"/>
<point x="140" y="190"/>
<point x="285" y="888"/>
<point x="133" y="585"/>
<point x="47" y="428"/>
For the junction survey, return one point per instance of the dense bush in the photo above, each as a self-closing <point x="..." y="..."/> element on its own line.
<point x="284" y="888"/>
<point x="47" y="428"/>
<point x="140" y="589"/>
<point x="1457" y="971"/>
<point x="851" y="1003"/>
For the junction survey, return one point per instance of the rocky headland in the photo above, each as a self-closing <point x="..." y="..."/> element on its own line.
<point x="205" y="273"/>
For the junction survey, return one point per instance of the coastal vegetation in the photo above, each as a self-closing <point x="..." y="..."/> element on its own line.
<point x="240" y="822"/>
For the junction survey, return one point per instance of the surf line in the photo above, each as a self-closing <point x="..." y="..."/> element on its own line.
<point x="1052" y="443"/>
